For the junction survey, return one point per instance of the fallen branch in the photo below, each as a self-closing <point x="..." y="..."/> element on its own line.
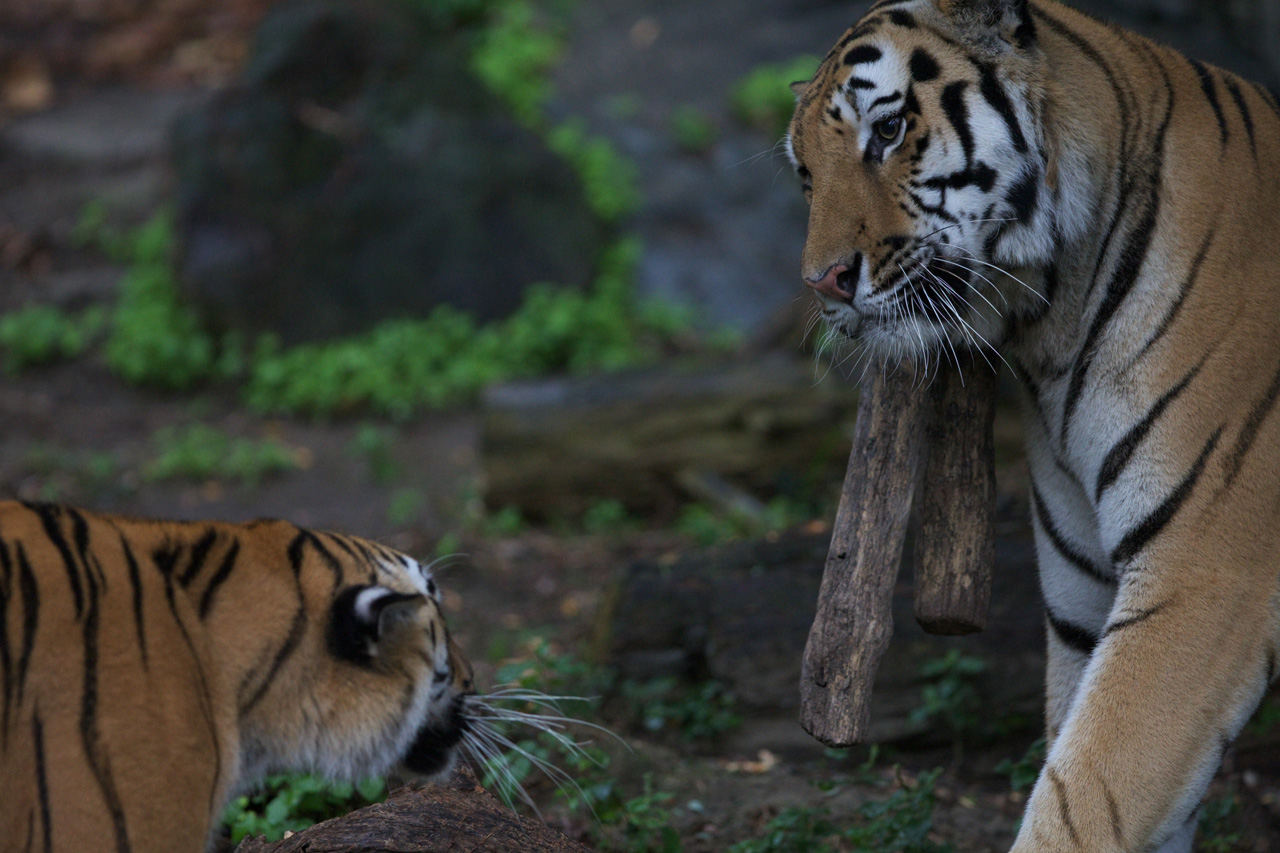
<point x="936" y="440"/>
<point x="955" y="546"/>
<point x="853" y="624"/>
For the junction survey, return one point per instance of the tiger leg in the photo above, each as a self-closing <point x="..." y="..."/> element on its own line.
<point x="1078" y="595"/>
<point x="1063" y="671"/>
<point x="1180" y="666"/>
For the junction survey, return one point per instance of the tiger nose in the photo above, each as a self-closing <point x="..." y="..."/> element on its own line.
<point x="837" y="282"/>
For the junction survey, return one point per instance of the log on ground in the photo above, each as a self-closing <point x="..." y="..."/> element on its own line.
<point x="551" y="448"/>
<point x="451" y="817"/>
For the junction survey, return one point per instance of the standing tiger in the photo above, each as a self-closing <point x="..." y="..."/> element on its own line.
<point x="149" y="670"/>
<point x="1013" y="176"/>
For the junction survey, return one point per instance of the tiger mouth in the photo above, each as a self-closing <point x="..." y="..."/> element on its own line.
<point x="434" y="746"/>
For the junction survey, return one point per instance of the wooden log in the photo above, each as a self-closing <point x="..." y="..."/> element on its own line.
<point x="854" y="621"/>
<point x="451" y="817"/>
<point x="955" y="510"/>
<point x="553" y="447"/>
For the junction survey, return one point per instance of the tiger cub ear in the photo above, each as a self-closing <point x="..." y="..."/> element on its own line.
<point x="363" y="616"/>
<point x="1008" y="20"/>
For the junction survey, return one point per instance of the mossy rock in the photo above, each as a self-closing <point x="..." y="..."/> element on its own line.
<point x="357" y="171"/>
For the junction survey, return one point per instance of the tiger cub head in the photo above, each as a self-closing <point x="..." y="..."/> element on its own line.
<point x="921" y="147"/>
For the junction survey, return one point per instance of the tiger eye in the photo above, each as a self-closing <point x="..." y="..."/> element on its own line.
<point x="888" y="128"/>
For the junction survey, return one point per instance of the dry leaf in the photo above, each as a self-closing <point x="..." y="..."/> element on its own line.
<point x="26" y="85"/>
<point x="765" y="761"/>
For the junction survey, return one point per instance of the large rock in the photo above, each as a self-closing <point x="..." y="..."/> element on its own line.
<point x="358" y="171"/>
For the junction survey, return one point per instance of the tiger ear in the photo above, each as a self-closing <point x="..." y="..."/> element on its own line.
<point x="363" y="616"/>
<point x="1008" y="20"/>
<point x="799" y="87"/>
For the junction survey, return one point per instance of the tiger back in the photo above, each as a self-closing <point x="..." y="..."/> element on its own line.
<point x="153" y="669"/>
<point x="1011" y="179"/>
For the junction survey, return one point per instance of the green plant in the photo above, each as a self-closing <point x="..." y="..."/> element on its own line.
<point x="899" y="824"/>
<point x="607" y="517"/>
<point x="794" y="830"/>
<point x="294" y="802"/>
<point x="544" y="668"/>
<point x="699" y="712"/>
<point x="950" y="697"/>
<point x="692" y="129"/>
<point x="608" y="178"/>
<point x="708" y="526"/>
<point x="763" y="98"/>
<point x="513" y="56"/>
<point x="405" y="505"/>
<point x="447" y="545"/>
<point x="864" y="773"/>
<point x="154" y="339"/>
<point x="39" y="334"/>
<point x="1219" y="830"/>
<point x="373" y="443"/>
<point x="646" y="822"/>
<point x="199" y="451"/>
<point x="396" y="369"/>
<point x="402" y="367"/>
<point x="505" y="522"/>
<point x="1024" y="772"/>
<point x="68" y="474"/>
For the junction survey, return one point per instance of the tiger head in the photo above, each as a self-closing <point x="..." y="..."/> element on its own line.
<point x="922" y="150"/>
<point x="384" y="686"/>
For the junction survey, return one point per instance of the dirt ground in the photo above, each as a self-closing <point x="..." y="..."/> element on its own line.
<point x="74" y="433"/>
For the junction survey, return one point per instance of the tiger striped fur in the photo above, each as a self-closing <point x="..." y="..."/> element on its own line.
<point x="149" y="670"/>
<point x="1014" y="177"/>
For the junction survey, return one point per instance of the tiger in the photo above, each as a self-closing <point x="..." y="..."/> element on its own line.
<point x="151" y="670"/>
<point x="1014" y="180"/>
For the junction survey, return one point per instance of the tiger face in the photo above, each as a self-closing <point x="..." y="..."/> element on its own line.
<point x="922" y="153"/>
<point x="392" y="680"/>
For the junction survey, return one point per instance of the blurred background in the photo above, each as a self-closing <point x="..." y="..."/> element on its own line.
<point x="517" y="279"/>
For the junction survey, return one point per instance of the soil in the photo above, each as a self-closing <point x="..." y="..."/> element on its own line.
<point x="722" y="230"/>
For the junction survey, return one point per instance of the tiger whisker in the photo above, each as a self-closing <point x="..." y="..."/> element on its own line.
<point x="489" y="758"/>
<point x="494" y="750"/>
<point x="975" y="259"/>
<point x="976" y="335"/>
<point x="549" y="723"/>
<point x="445" y="562"/>
<point x="551" y="771"/>
<point x="916" y="292"/>
<point x="1004" y="299"/>
<point x="966" y="222"/>
<point x="772" y="151"/>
